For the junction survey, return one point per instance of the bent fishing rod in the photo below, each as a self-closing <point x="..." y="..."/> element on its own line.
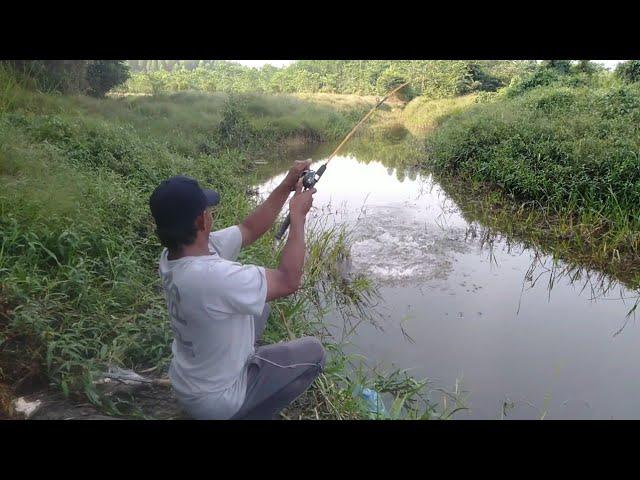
<point x="310" y="177"/>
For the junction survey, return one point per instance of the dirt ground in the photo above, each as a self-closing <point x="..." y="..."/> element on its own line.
<point x="151" y="402"/>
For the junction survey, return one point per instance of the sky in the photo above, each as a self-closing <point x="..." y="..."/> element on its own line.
<point x="610" y="64"/>
<point x="260" y="63"/>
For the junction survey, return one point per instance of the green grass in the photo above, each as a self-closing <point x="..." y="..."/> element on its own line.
<point x="423" y="115"/>
<point x="79" y="288"/>
<point x="569" y="155"/>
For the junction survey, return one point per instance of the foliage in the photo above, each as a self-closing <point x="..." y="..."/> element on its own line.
<point x="433" y="78"/>
<point x="79" y="288"/>
<point x="572" y="150"/>
<point x="629" y="71"/>
<point x="103" y="75"/>
<point x="94" y="77"/>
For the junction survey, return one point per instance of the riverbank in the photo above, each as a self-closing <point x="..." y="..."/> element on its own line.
<point x="556" y="166"/>
<point x="78" y="255"/>
<point x="559" y="164"/>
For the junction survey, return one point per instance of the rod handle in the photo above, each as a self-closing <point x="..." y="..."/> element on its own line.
<point x="283" y="227"/>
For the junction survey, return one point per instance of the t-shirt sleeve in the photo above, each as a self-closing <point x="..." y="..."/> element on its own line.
<point x="245" y="289"/>
<point x="227" y="242"/>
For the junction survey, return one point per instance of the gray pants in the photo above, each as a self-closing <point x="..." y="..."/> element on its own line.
<point x="279" y="373"/>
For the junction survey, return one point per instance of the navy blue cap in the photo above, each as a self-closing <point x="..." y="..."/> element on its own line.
<point x="179" y="200"/>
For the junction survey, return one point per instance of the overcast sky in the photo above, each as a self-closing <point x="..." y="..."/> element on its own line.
<point x="260" y="63"/>
<point x="610" y="64"/>
<point x="281" y="63"/>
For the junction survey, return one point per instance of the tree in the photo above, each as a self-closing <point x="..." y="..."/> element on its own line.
<point x="391" y="79"/>
<point x="561" y="66"/>
<point x="432" y="78"/>
<point x="504" y="71"/>
<point x="66" y="76"/>
<point x="587" y="66"/>
<point x="103" y="75"/>
<point x="629" y="71"/>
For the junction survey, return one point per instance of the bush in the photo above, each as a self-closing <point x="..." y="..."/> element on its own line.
<point x="95" y="77"/>
<point x="486" y="97"/>
<point x="234" y="129"/>
<point x="619" y="101"/>
<point x="103" y="75"/>
<point x="587" y="66"/>
<point x="560" y="66"/>
<point x="555" y="145"/>
<point x="560" y="73"/>
<point x="478" y="80"/>
<point x="629" y="71"/>
<point x="391" y="79"/>
<point x="65" y="76"/>
<point x="539" y="78"/>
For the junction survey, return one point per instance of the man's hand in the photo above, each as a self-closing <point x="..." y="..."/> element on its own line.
<point x="294" y="173"/>
<point x="301" y="202"/>
<point x="261" y="219"/>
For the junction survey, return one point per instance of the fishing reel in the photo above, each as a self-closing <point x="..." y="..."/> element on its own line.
<point x="309" y="178"/>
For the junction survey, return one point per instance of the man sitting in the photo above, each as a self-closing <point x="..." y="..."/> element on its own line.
<point x="217" y="306"/>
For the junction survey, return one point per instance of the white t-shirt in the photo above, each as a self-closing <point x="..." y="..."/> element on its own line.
<point x="212" y="300"/>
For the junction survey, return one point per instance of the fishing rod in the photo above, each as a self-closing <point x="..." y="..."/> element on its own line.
<point x="310" y="177"/>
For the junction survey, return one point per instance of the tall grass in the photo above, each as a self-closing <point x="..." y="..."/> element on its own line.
<point x="79" y="288"/>
<point x="422" y="115"/>
<point x="571" y="154"/>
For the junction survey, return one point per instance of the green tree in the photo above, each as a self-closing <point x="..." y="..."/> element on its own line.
<point x="561" y="66"/>
<point x="587" y="66"/>
<point x="103" y="75"/>
<point x="66" y="76"/>
<point x="628" y="71"/>
<point x="391" y="79"/>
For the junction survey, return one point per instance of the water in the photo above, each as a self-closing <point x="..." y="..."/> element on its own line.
<point x="524" y="338"/>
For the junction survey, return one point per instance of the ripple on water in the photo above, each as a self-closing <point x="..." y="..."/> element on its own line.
<point x="395" y="249"/>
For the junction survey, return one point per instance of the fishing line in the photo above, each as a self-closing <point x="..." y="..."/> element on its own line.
<point x="293" y="365"/>
<point x="310" y="178"/>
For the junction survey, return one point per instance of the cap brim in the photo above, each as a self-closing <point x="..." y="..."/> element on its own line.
<point x="213" y="197"/>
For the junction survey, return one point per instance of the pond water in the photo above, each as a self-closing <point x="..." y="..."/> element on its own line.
<point x="526" y="338"/>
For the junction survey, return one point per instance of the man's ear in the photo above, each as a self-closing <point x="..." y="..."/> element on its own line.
<point x="200" y="222"/>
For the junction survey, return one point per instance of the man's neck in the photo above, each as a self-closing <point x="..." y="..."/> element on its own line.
<point x="196" y="249"/>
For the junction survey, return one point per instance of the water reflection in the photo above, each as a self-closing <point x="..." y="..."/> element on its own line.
<point x="529" y="335"/>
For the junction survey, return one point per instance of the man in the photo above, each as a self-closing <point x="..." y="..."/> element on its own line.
<point x="217" y="306"/>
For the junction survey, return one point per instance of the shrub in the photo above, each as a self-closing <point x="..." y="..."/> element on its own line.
<point x="103" y="75"/>
<point x="629" y="71"/>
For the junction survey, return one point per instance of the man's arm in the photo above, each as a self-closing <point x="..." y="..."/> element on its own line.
<point x="286" y="278"/>
<point x="261" y="219"/>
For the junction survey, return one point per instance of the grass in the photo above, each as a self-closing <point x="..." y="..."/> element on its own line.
<point x="557" y="235"/>
<point x="422" y="115"/>
<point x="342" y="102"/>
<point x="556" y="165"/>
<point x="79" y="288"/>
<point x="566" y="158"/>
